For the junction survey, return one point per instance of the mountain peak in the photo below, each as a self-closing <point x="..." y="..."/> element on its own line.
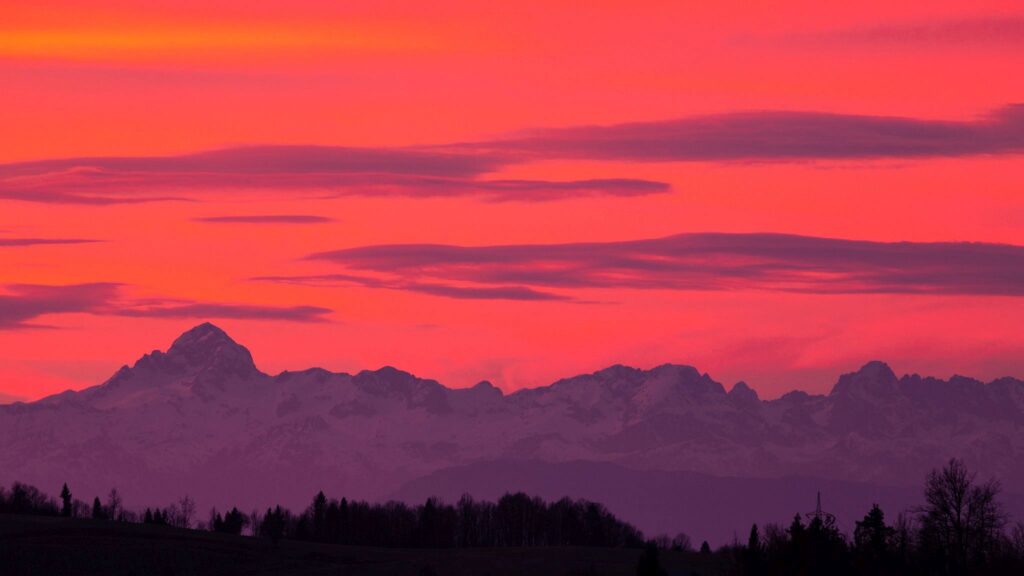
<point x="877" y="367"/>
<point x="205" y="332"/>
<point x="873" y="379"/>
<point x="209" y="348"/>
<point x="390" y="380"/>
<point x="487" y="389"/>
<point x="743" y="393"/>
<point x="485" y="385"/>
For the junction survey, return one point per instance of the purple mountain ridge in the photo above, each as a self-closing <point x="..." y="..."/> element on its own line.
<point x="202" y="419"/>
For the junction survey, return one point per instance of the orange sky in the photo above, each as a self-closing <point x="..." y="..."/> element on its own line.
<point x="143" y="79"/>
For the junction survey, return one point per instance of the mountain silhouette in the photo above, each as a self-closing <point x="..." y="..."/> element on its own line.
<point x="202" y="419"/>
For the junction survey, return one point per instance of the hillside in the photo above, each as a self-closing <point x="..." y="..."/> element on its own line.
<point x="30" y="546"/>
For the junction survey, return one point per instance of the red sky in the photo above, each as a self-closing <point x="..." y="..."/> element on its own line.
<point x="348" y="125"/>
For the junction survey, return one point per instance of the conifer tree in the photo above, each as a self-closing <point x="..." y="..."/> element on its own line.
<point x="66" y="508"/>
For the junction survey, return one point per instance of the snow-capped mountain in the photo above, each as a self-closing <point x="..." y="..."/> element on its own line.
<point x="202" y="419"/>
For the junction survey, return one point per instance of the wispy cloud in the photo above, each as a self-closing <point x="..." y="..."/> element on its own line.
<point x="504" y="190"/>
<point x="266" y="219"/>
<point x="217" y="310"/>
<point x="994" y="31"/>
<point x="313" y="170"/>
<point x="23" y="305"/>
<point x="257" y="160"/>
<point x="774" y="262"/>
<point x="462" y="292"/>
<point x="773" y="136"/>
<point x="65" y="189"/>
<point x="15" y="242"/>
<point x="460" y="169"/>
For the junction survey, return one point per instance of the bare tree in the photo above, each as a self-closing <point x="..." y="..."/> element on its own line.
<point x="1017" y="539"/>
<point x="682" y="542"/>
<point x="961" y="520"/>
<point x="172" y="516"/>
<point x="905" y="532"/>
<point x="79" y="509"/>
<point x="186" y="511"/>
<point x="662" y="541"/>
<point x="114" y="505"/>
<point x="254" y="522"/>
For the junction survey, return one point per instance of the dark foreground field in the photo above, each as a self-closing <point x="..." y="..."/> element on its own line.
<point x="32" y="545"/>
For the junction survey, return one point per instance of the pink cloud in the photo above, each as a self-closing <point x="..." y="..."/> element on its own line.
<point x="774" y="262"/>
<point x="23" y="305"/>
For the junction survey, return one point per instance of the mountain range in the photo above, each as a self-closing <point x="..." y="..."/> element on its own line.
<point x="668" y="448"/>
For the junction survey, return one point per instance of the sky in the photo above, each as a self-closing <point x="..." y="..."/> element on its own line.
<point x="518" y="192"/>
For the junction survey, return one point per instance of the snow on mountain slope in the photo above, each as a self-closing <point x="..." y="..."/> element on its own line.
<point x="202" y="419"/>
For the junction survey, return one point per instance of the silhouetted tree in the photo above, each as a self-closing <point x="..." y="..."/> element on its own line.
<point x="682" y="543"/>
<point x="825" y="551"/>
<point x="273" y="524"/>
<point x="662" y="541"/>
<point x="515" y="520"/>
<point x="344" y="513"/>
<point x="232" y="522"/>
<point x="468" y="521"/>
<point x="255" y="522"/>
<point x="66" y="508"/>
<point x="752" y="553"/>
<point x="904" y="535"/>
<point x="959" y="531"/>
<point x="79" y="509"/>
<point x="775" y="543"/>
<point x="114" y="506"/>
<point x="319" y="514"/>
<point x="428" y="524"/>
<point x="235" y="521"/>
<point x="872" y="540"/>
<point x="961" y="521"/>
<point x="796" y="529"/>
<point x="27" y="499"/>
<point x="186" y="512"/>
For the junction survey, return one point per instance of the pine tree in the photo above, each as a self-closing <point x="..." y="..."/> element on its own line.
<point x="320" y="516"/>
<point x="752" y="556"/>
<point x="67" y="508"/>
<point x="796" y="529"/>
<point x="871" y="537"/>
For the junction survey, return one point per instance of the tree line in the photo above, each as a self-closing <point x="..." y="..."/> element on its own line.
<point x="514" y="520"/>
<point x="960" y="529"/>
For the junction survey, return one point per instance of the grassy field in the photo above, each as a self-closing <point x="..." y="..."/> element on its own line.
<point x="36" y="546"/>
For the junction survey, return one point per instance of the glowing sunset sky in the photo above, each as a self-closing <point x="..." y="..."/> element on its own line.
<point x="467" y="191"/>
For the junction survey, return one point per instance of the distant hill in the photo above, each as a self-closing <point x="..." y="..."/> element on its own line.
<point x="202" y="419"/>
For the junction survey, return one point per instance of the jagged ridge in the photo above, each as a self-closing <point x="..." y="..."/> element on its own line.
<point x="202" y="418"/>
